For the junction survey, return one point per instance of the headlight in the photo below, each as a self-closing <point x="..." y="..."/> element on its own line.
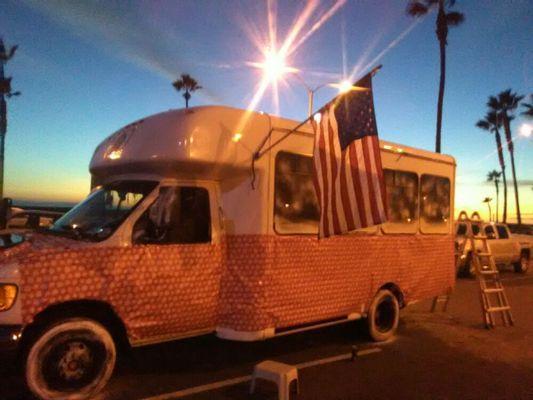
<point x="8" y="294"/>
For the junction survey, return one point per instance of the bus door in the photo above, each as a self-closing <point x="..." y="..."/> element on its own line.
<point x="177" y="238"/>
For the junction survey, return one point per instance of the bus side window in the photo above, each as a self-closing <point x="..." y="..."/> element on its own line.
<point x="179" y="215"/>
<point x="402" y="201"/>
<point x="295" y="202"/>
<point x="434" y="204"/>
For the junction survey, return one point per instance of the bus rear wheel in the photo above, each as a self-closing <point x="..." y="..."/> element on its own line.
<point x="383" y="316"/>
<point x="71" y="359"/>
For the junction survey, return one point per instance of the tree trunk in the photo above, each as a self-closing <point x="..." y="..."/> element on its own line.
<point x="3" y="130"/>
<point x="442" y="34"/>
<point x="507" y="126"/>
<point x="504" y="178"/>
<point x="3" y="126"/>
<point x="515" y="183"/>
<point x="187" y="96"/>
<point x="497" y="199"/>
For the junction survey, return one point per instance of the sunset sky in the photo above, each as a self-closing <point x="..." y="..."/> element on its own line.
<point x="87" y="68"/>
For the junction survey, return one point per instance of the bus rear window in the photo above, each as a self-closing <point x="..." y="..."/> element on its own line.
<point x="434" y="204"/>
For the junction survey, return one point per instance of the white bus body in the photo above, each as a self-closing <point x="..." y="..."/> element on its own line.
<point x="243" y="259"/>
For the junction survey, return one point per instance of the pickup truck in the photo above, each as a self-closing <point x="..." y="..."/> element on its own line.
<point x="507" y="249"/>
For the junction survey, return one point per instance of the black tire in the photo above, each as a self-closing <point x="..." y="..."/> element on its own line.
<point x="383" y="316"/>
<point x="522" y="265"/>
<point x="70" y="359"/>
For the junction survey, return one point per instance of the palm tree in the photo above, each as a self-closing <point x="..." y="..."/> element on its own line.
<point x="5" y="92"/>
<point x="504" y="105"/>
<point x="488" y="200"/>
<point x="445" y="19"/>
<point x="528" y="112"/>
<point x="491" y="123"/>
<point x="494" y="176"/>
<point x="188" y="84"/>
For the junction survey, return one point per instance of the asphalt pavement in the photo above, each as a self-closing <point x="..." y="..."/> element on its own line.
<point x="434" y="356"/>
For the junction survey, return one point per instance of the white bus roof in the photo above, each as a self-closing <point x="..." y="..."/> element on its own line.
<point x="208" y="141"/>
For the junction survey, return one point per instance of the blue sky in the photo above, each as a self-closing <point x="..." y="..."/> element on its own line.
<point x="87" y="68"/>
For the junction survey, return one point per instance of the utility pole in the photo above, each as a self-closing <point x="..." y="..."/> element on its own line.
<point x="5" y="92"/>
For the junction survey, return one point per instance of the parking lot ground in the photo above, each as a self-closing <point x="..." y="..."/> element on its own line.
<point x="434" y="356"/>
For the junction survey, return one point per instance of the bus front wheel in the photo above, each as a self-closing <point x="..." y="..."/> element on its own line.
<point x="383" y="316"/>
<point x="72" y="358"/>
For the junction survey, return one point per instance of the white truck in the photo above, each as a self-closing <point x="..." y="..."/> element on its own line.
<point x="506" y="248"/>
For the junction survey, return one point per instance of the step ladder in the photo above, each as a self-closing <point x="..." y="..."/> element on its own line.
<point x="492" y="293"/>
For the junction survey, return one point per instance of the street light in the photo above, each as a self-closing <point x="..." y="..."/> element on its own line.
<point x="343" y="87"/>
<point x="526" y="130"/>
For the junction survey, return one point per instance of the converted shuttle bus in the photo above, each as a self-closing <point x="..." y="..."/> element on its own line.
<point x="187" y="233"/>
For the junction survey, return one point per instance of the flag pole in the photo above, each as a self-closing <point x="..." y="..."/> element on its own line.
<point x="260" y="151"/>
<point x="376" y="69"/>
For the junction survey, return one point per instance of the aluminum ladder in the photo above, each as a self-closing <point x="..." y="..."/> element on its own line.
<point x="492" y="293"/>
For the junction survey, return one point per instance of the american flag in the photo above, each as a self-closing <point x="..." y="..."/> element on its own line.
<point x="348" y="173"/>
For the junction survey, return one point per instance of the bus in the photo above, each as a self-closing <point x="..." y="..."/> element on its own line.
<point x="187" y="232"/>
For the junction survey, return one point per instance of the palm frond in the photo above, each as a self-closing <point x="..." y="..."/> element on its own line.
<point x="493" y="175"/>
<point x="493" y="103"/>
<point x="508" y="100"/>
<point x="493" y="118"/>
<point x="483" y="124"/>
<point x="12" y="51"/>
<point x="454" y="18"/>
<point x="528" y="112"/>
<point x="187" y="83"/>
<point x="416" y="9"/>
<point x="491" y="122"/>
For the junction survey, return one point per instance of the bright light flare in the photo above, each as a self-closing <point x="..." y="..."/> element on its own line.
<point x="274" y="65"/>
<point x="526" y="130"/>
<point x="115" y="154"/>
<point x="321" y="21"/>
<point x="357" y="69"/>
<point x="345" y="86"/>
<point x="275" y="52"/>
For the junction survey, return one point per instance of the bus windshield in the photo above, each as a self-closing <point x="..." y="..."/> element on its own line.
<point x="102" y="212"/>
